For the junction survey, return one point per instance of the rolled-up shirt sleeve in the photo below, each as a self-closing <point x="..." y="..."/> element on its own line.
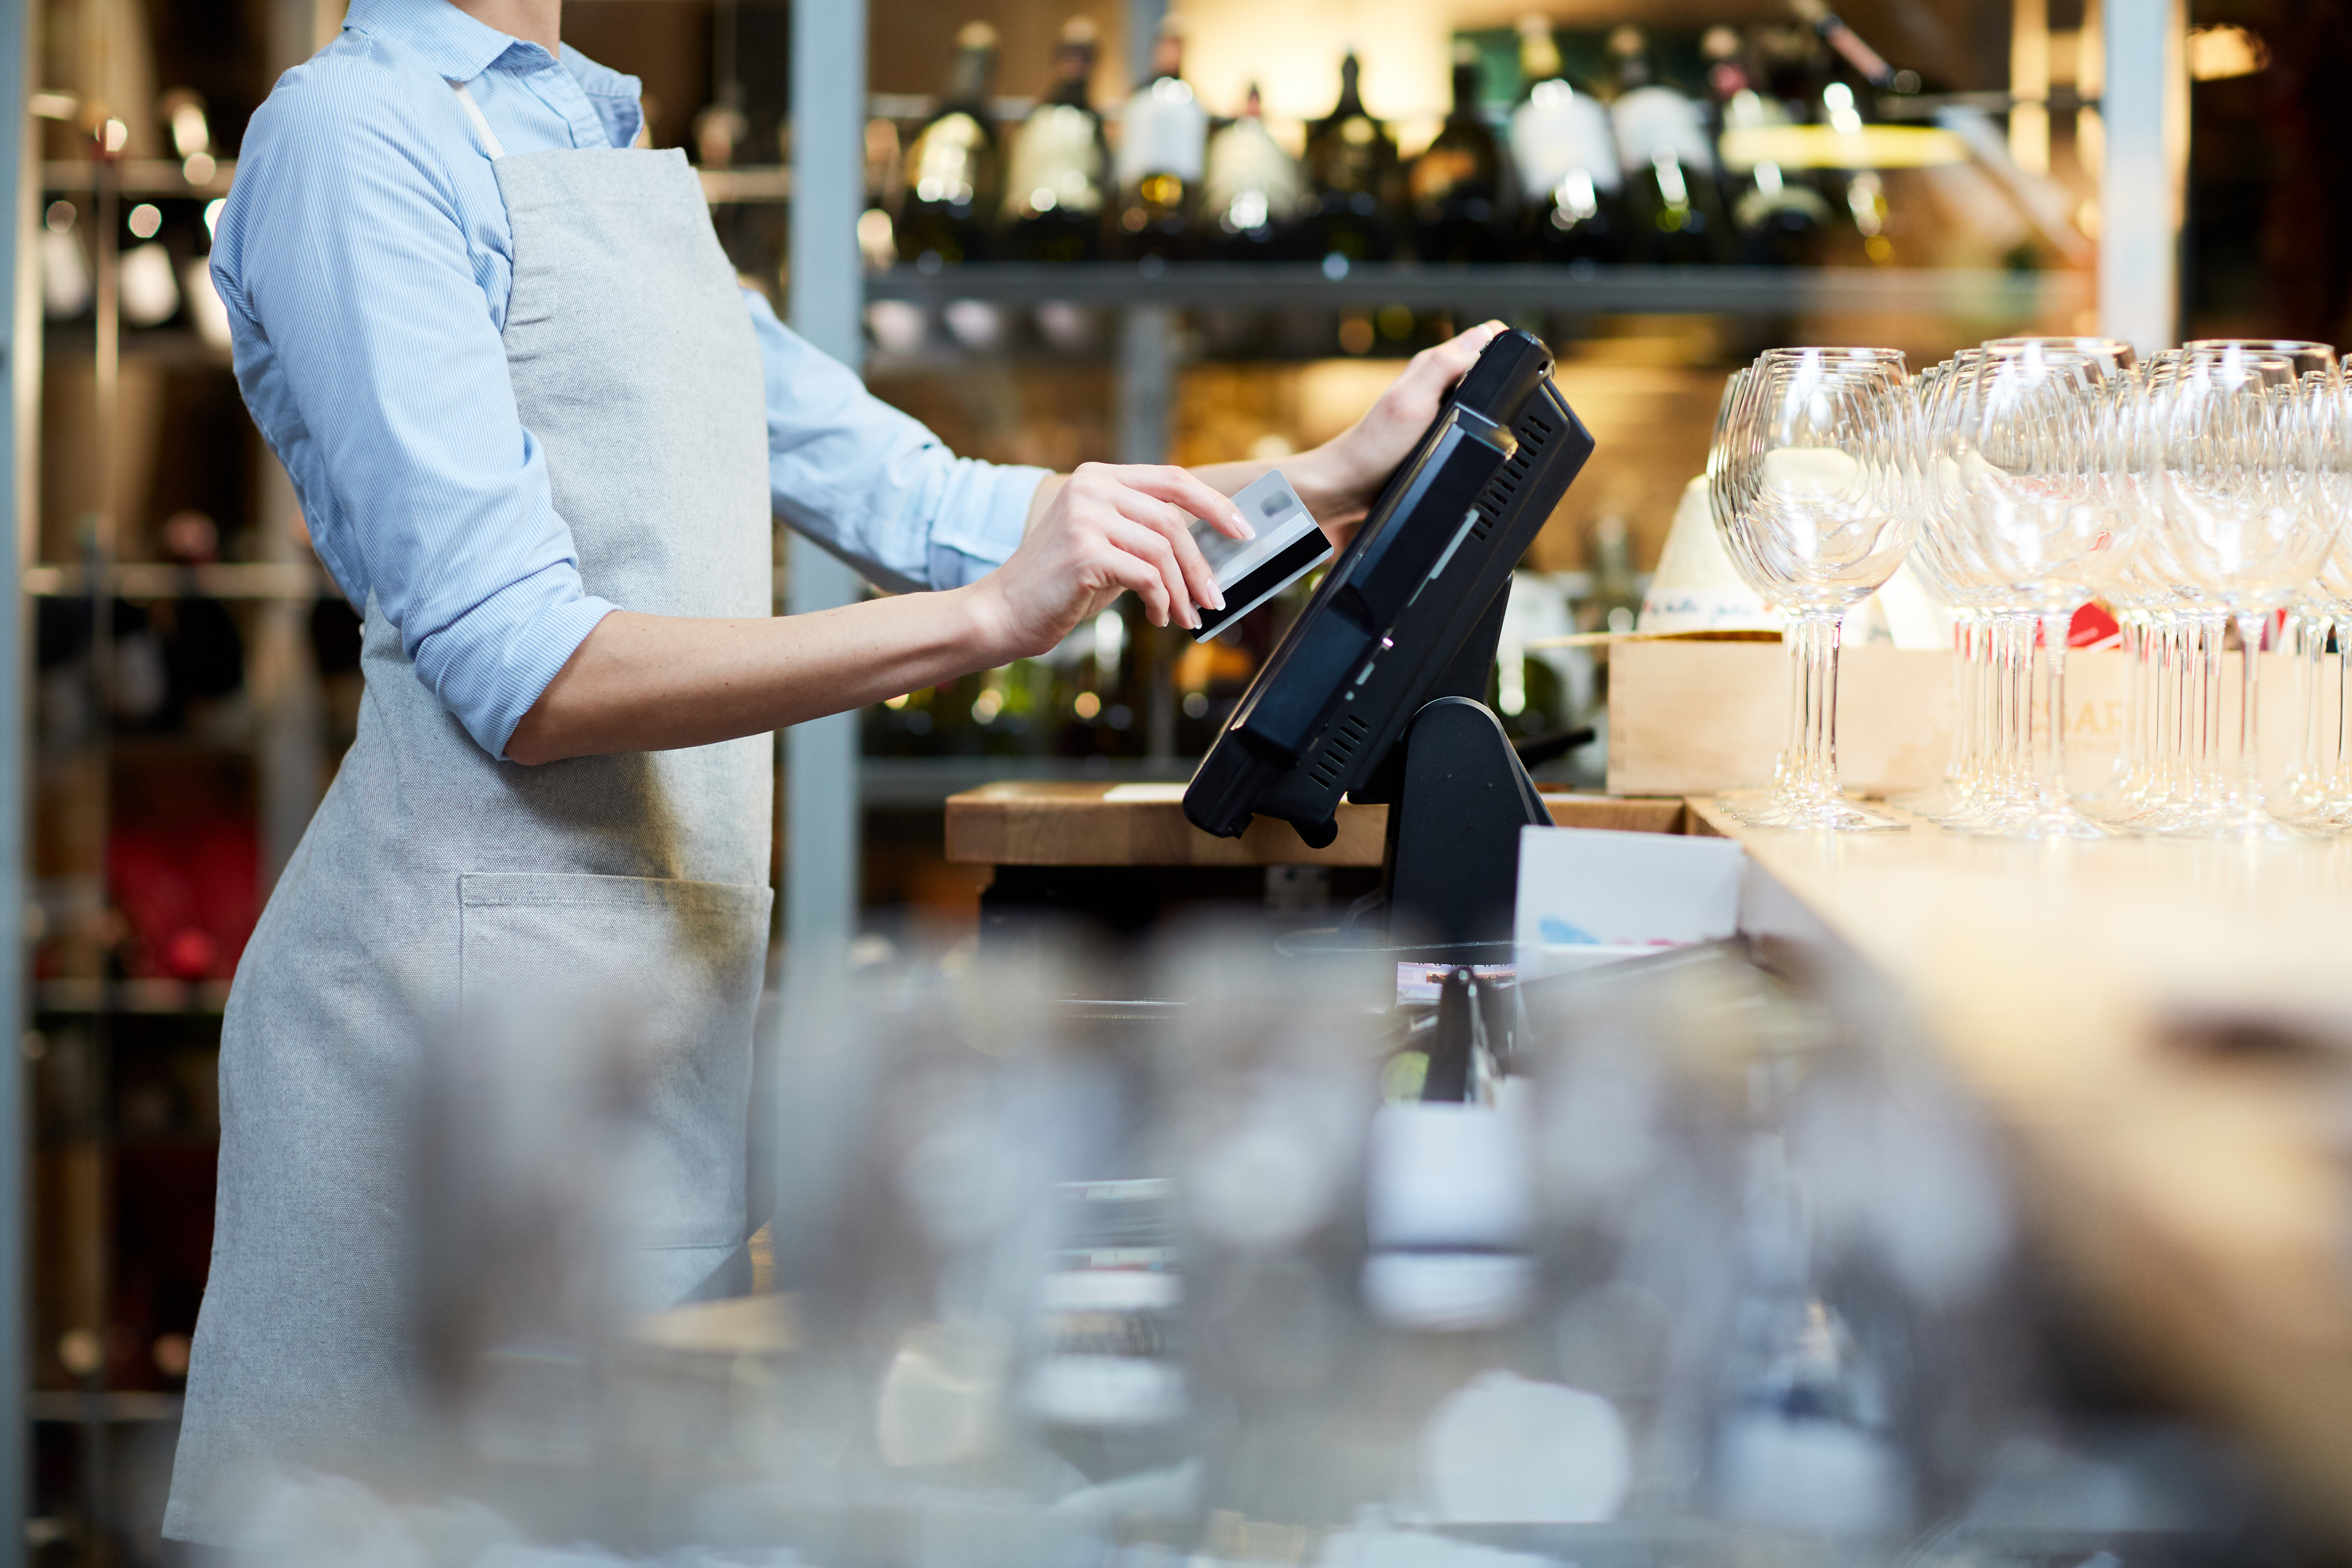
<point x="377" y="372"/>
<point x="872" y="485"/>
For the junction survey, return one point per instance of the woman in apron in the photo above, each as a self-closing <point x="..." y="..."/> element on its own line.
<point x="539" y="434"/>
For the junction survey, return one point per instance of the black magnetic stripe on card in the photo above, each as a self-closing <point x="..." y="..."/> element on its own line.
<point x="1255" y="587"/>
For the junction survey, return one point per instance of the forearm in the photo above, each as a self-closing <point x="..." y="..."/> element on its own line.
<point x="1318" y="475"/>
<point x="651" y="683"/>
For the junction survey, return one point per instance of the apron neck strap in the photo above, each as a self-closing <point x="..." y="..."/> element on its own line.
<point x="481" y="126"/>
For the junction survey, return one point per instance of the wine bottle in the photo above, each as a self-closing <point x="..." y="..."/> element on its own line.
<point x="1567" y="159"/>
<point x="1059" y="161"/>
<point x="1353" y="175"/>
<point x="1865" y="193"/>
<point x="1162" y="143"/>
<point x="1780" y="218"/>
<point x="1674" y="212"/>
<point x="1458" y="185"/>
<point x="955" y="166"/>
<point x="1249" y="194"/>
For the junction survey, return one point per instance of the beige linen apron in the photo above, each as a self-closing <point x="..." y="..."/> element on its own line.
<point x="433" y="871"/>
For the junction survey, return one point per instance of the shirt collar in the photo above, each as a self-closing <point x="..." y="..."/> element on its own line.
<point x="448" y="42"/>
<point x="458" y="47"/>
<point x="600" y="81"/>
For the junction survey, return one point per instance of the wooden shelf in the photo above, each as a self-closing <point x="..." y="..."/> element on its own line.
<point x="162" y="580"/>
<point x="202" y="998"/>
<point x="173" y="348"/>
<point x="136" y="177"/>
<point x="1038" y="823"/>
<point x="1982" y="295"/>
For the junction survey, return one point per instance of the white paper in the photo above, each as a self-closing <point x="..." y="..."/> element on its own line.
<point x="1585" y="889"/>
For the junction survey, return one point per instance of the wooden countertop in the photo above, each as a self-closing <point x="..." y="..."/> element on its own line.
<point x="2164" y="1031"/>
<point x="1034" y="823"/>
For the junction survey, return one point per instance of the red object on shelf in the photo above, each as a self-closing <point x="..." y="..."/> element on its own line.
<point x="2093" y="627"/>
<point x="191" y="896"/>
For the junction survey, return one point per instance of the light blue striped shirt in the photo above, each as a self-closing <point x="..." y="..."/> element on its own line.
<point x="366" y="261"/>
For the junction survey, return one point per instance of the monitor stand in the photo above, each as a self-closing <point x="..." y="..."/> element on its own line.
<point x="1457" y="795"/>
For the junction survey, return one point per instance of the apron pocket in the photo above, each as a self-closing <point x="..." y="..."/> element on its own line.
<point x="682" y="963"/>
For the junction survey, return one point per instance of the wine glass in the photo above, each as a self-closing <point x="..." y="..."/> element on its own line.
<point x="1959" y="579"/>
<point x="2019" y="480"/>
<point x="1813" y="491"/>
<point x="2304" y="356"/>
<point x="2242" y="443"/>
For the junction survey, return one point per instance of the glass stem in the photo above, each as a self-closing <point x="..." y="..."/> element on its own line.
<point x="2210" y="771"/>
<point x="2164" y="738"/>
<point x="2310" y="639"/>
<point x="1956" y="771"/>
<point x="2249" y="674"/>
<point x="1813" y="647"/>
<point x="2138" y="709"/>
<point x="2338" y="785"/>
<point x="2017" y="680"/>
<point x="2055" y="627"/>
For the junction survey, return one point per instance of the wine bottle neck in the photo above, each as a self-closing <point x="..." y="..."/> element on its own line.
<point x="968" y="84"/>
<point x="1469" y="88"/>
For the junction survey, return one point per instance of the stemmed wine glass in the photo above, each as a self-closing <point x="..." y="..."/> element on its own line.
<point x="2018" y="479"/>
<point x="2241" y="445"/>
<point x="1812" y="485"/>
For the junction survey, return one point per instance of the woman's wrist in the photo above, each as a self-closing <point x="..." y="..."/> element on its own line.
<point x="1327" y="483"/>
<point x="1330" y="479"/>
<point x="981" y="625"/>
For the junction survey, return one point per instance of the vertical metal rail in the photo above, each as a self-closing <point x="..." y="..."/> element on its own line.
<point x="21" y="386"/>
<point x="2143" y="115"/>
<point x="1145" y="411"/>
<point x="825" y="303"/>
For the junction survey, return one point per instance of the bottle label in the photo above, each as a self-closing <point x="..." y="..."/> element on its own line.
<point x="1555" y="134"/>
<point x="1054" y="163"/>
<point x="1655" y="119"/>
<point x="1163" y="132"/>
<point x="1244" y="158"/>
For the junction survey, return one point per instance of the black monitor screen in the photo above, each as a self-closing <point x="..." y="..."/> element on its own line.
<point x="1409" y="609"/>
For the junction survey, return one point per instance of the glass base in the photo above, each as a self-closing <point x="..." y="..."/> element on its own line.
<point x="1806" y="813"/>
<point x="2049" y="820"/>
<point x="2225" y="820"/>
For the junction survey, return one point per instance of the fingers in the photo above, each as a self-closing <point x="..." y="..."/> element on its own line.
<point x="1182" y="487"/>
<point x="1162" y="533"/>
<point x="1128" y="570"/>
<point x="1453" y="358"/>
<point x="1152" y="547"/>
<point x="1172" y="523"/>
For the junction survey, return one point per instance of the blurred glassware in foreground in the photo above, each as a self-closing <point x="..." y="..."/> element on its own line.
<point x="1671" y="1255"/>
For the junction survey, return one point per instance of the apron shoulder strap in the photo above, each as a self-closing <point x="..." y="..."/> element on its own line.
<point x="481" y="125"/>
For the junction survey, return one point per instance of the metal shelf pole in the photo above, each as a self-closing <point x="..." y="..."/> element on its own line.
<point x="826" y="304"/>
<point x="21" y="386"/>
<point x="2144" y="108"/>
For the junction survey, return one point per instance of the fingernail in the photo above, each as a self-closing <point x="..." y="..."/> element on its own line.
<point x="1247" y="531"/>
<point x="1216" y="600"/>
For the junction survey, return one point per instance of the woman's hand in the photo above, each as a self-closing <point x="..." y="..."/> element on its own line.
<point x="1341" y="479"/>
<point x="1099" y="532"/>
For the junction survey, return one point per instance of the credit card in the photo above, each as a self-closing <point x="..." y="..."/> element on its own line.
<point x="1289" y="545"/>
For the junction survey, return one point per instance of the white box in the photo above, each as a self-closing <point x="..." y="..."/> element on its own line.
<point x="1591" y="896"/>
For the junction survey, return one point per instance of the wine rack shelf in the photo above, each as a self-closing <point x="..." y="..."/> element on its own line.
<point x="1977" y="294"/>
<point x="912" y="783"/>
